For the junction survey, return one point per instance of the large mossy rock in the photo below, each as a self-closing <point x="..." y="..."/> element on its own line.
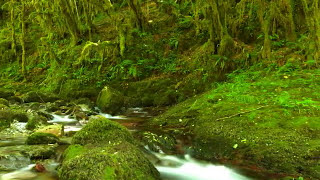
<point x="110" y="101"/>
<point x="35" y="121"/>
<point x="121" y="161"/>
<point x="100" y="130"/>
<point x="6" y="117"/>
<point x="151" y="92"/>
<point x="41" y="138"/>
<point x="4" y="102"/>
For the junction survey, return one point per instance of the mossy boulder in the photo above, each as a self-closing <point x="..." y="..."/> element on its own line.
<point x="20" y="115"/>
<point x="119" y="161"/>
<point x="151" y="92"/>
<point x="4" y="102"/>
<point x="35" y="121"/>
<point x="6" y="118"/>
<point x="34" y="96"/>
<point x="100" y="130"/>
<point x="4" y="93"/>
<point x="41" y="138"/>
<point x="56" y="129"/>
<point x="110" y="100"/>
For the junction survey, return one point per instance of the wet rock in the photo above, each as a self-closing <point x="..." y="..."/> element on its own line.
<point x="5" y="93"/>
<point x="34" y="96"/>
<point x="101" y="130"/>
<point x="16" y="128"/>
<point x="110" y="100"/>
<point x="19" y="156"/>
<point x="45" y="114"/>
<point x="6" y="118"/>
<point x="36" y="120"/>
<point x="39" y="167"/>
<point x="20" y="115"/>
<point x="34" y="106"/>
<point x="85" y="101"/>
<point x="56" y="130"/>
<point x="13" y="160"/>
<point x="4" y="107"/>
<point x="41" y="138"/>
<point x="81" y="116"/>
<point x="4" y="102"/>
<point x="21" y="175"/>
<point x="114" y="161"/>
<point x="157" y="143"/>
<point x="15" y="100"/>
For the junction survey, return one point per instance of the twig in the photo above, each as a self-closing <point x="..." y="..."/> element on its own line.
<point x="238" y="114"/>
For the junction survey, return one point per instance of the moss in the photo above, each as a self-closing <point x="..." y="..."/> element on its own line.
<point x="277" y="131"/>
<point x="163" y="142"/>
<point x="6" y="118"/>
<point x="101" y="130"/>
<point x="73" y="151"/>
<point x="115" y="161"/>
<point x="41" y="138"/>
<point x="4" y="102"/>
<point x="110" y="100"/>
<point x="20" y="116"/>
<point x="4" y="93"/>
<point x="35" y="121"/>
<point x="34" y="96"/>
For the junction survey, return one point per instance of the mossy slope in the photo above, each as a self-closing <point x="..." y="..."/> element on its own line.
<point x="268" y="119"/>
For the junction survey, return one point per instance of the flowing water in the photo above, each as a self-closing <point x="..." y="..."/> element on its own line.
<point x="171" y="167"/>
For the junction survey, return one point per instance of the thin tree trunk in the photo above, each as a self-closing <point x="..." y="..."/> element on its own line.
<point x="23" y="33"/>
<point x="13" y="33"/>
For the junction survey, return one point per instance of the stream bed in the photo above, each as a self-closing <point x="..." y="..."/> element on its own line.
<point x="171" y="167"/>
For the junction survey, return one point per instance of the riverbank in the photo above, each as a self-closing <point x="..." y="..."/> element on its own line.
<point x="264" y="120"/>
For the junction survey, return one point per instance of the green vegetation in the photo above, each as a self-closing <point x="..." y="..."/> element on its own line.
<point x="241" y="76"/>
<point x="267" y="118"/>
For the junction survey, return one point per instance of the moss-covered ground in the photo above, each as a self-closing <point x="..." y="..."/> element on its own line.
<point x="267" y="119"/>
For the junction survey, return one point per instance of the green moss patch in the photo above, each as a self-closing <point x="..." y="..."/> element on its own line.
<point x="101" y="130"/>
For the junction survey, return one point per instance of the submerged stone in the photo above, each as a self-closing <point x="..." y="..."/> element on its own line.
<point x="19" y="156"/>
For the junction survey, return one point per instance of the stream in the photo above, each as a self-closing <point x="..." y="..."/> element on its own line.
<point x="171" y="167"/>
